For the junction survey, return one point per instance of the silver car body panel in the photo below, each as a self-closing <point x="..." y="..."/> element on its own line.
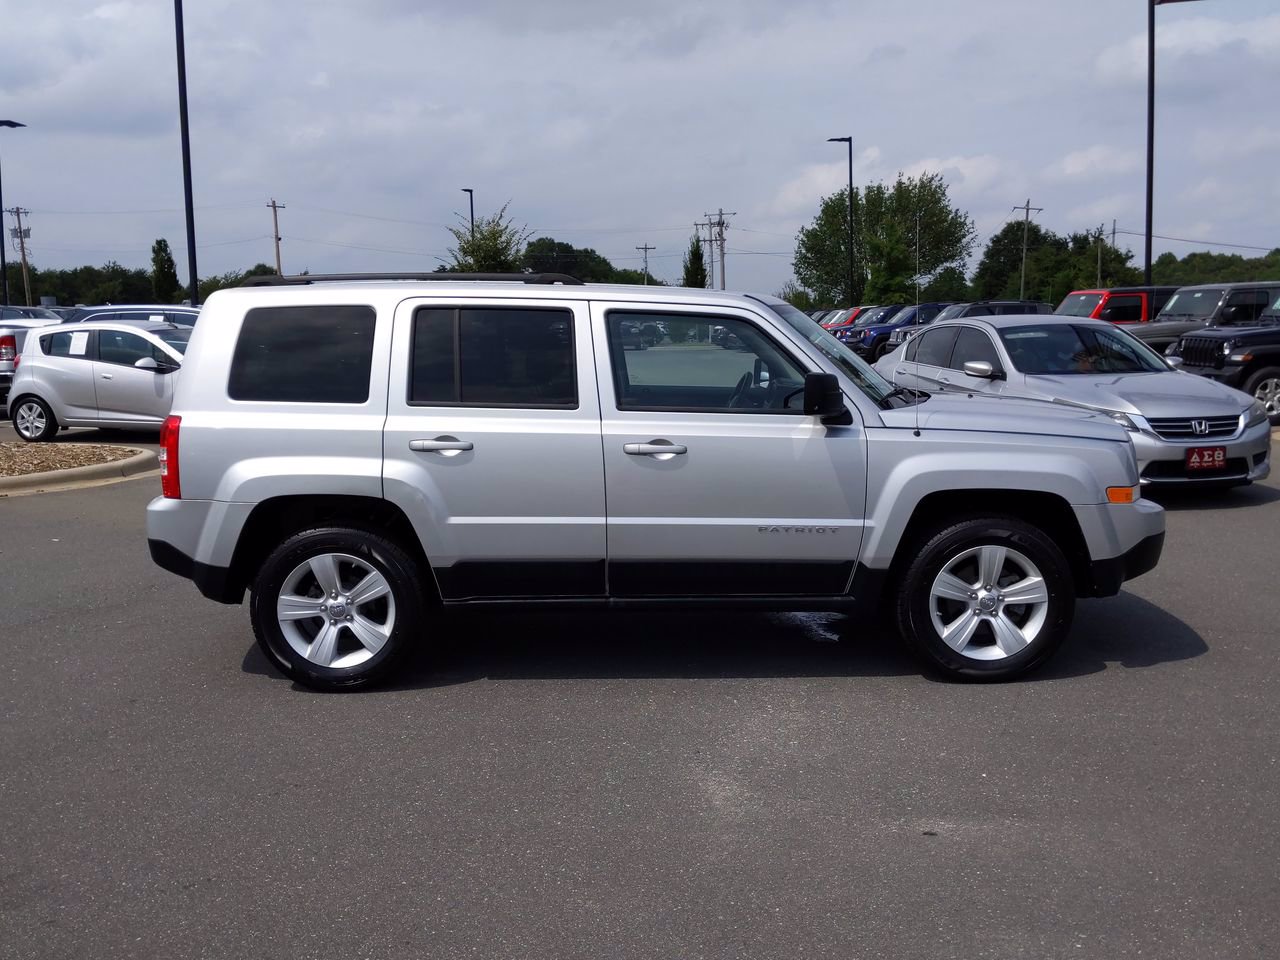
<point x="544" y="486"/>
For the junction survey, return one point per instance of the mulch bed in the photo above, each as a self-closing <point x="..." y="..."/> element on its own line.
<point x="18" y="459"/>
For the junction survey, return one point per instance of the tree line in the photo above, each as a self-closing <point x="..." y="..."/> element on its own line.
<point x="905" y="234"/>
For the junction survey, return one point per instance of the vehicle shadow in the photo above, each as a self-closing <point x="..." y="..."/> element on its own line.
<point x="1254" y="495"/>
<point x="107" y="435"/>
<point x="1125" y="630"/>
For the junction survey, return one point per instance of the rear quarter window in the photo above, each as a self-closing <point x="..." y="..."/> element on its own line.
<point x="311" y="354"/>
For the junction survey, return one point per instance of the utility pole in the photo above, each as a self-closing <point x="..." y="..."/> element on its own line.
<point x="1027" y="210"/>
<point x="1100" y="226"/>
<point x="646" y="248"/>
<point x="185" y="131"/>
<point x="275" y="231"/>
<point x="719" y="224"/>
<point x="711" y="249"/>
<point x="21" y="236"/>
<point x="1113" y="233"/>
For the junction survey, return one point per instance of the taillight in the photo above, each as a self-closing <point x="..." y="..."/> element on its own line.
<point x="170" y="485"/>
<point x="8" y="348"/>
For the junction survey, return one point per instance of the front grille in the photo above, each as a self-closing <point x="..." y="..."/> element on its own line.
<point x="1184" y="428"/>
<point x="1172" y="470"/>
<point x="1202" y="352"/>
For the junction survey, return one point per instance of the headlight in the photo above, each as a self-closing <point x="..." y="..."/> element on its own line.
<point x="1255" y="415"/>
<point x="1124" y="421"/>
<point x="1171" y="350"/>
<point x="1226" y="348"/>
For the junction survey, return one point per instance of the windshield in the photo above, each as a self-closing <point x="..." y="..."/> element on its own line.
<point x="1191" y="304"/>
<point x="1079" y="304"/>
<point x="867" y="380"/>
<point x="874" y="316"/>
<point x="176" y="338"/>
<point x="1062" y="349"/>
<point x="952" y="311"/>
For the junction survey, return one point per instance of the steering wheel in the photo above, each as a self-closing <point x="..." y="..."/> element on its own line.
<point x="745" y="383"/>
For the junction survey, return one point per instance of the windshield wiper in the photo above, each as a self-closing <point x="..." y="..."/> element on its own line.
<point x="910" y="396"/>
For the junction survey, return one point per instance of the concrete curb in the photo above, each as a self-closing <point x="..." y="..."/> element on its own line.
<point x="142" y="461"/>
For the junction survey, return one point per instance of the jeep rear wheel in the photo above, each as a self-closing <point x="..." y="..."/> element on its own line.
<point x="986" y="599"/>
<point x="1264" y="385"/>
<point x="337" y="608"/>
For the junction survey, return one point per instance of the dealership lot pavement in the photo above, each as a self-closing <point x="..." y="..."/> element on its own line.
<point x="627" y="786"/>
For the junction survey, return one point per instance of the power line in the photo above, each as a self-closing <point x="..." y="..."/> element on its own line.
<point x="1207" y="243"/>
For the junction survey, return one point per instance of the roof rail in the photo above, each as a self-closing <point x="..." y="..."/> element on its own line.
<point x="271" y="280"/>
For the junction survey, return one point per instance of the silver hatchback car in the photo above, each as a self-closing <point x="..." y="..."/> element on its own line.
<point x="118" y="375"/>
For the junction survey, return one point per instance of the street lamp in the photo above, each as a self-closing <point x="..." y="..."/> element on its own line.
<point x="186" y="151"/>
<point x="1151" y="122"/>
<point x="4" y="266"/>
<point x="849" y="141"/>
<point x="471" y="195"/>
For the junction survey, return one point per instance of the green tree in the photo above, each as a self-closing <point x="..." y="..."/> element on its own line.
<point x="948" y="284"/>
<point x="1001" y="264"/>
<point x="914" y="213"/>
<point x="797" y="296"/>
<point x="695" y="265"/>
<point x="164" y="272"/>
<point x="1204" y="266"/>
<point x="892" y="264"/>
<point x="547" y="255"/>
<point x="497" y="247"/>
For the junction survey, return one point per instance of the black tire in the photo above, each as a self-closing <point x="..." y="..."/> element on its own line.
<point x="934" y="551"/>
<point x="40" y="435"/>
<point x="1254" y="387"/>
<point x="403" y="574"/>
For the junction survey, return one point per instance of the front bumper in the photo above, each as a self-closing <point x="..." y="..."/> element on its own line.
<point x="1232" y="374"/>
<point x="1163" y="462"/>
<point x="1109" y="574"/>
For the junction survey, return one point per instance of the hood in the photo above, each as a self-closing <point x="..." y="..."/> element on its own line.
<point x="957" y="411"/>
<point x="1254" y="331"/>
<point x="1171" y="394"/>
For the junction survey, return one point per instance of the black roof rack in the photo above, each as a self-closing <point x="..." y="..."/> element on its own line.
<point x="271" y="280"/>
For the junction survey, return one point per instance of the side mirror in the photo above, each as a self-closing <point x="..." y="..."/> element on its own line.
<point x="1105" y="314"/>
<point x="822" y="396"/>
<point x="148" y="363"/>
<point x="1229" y="313"/>
<point x="980" y="368"/>
<point x="1173" y="362"/>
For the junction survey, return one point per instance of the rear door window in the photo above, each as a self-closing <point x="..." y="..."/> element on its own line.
<point x="493" y="357"/>
<point x="77" y="344"/>
<point x="311" y="354"/>
<point x="1126" y="308"/>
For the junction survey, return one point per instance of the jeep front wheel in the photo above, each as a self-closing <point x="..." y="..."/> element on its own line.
<point x="986" y="599"/>
<point x="336" y="608"/>
<point x="1264" y="385"/>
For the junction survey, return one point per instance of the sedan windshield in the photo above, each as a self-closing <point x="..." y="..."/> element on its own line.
<point x="1191" y="304"/>
<point x="176" y="338"/>
<point x="1062" y="349"/>
<point x="1079" y="304"/>
<point x="866" y="379"/>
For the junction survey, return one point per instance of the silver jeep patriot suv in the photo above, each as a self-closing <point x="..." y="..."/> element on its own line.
<point x="359" y="453"/>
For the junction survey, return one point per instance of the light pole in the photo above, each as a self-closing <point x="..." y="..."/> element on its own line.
<point x="186" y="151"/>
<point x="471" y="196"/>
<point x="849" y="141"/>
<point x="4" y="241"/>
<point x="1151" y="123"/>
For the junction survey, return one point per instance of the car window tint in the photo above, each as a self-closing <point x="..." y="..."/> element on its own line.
<point x="1123" y="309"/>
<point x="973" y="344"/>
<point x="312" y="354"/>
<point x="59" y="345"/>
<point x="126" y="349"/>
<point x="493" y="356"/>
<point x="720" y="364"/>
<point x="935" y="346"/>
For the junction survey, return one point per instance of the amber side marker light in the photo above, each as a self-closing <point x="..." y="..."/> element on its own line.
<point x="1122" y="494"/>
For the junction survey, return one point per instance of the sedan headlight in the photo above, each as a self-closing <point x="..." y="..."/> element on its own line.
<point x="1255" y="415"/>
<point x="1124" y="421"/>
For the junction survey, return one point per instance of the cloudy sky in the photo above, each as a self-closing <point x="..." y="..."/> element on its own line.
<point x="612" y="125"/>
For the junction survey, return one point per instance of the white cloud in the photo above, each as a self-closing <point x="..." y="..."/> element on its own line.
<point x="1097" y="161"/>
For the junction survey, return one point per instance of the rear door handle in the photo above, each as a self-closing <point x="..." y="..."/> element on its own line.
<point x="657" y="448"/>
<point x="441" y="445"/>
<point x="106" y="376"/>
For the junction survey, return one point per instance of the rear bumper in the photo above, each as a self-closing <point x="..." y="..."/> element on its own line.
<point x="212" y="582"/>
<point x="1109" y="574"/>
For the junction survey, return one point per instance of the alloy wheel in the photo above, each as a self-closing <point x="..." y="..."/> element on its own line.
<point x="336" y="610"/>
<point x="1268" y="391"/>
<point x="989" y="602"/>
<point x="29" y="420"/>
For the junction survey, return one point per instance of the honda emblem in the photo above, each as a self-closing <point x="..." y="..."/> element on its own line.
<point x="1199" y="427"/>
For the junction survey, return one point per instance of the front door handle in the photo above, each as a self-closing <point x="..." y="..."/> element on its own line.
<point x="106" y="376"/>
<point x="655" y="448"/>
<point x="450" y="445"/>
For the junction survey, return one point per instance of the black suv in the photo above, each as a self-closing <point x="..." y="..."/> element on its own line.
<point x="1207" y="305"/>
<point x="1244" y="356"/>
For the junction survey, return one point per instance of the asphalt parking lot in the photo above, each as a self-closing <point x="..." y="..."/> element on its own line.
<point x="619" y="786"/>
